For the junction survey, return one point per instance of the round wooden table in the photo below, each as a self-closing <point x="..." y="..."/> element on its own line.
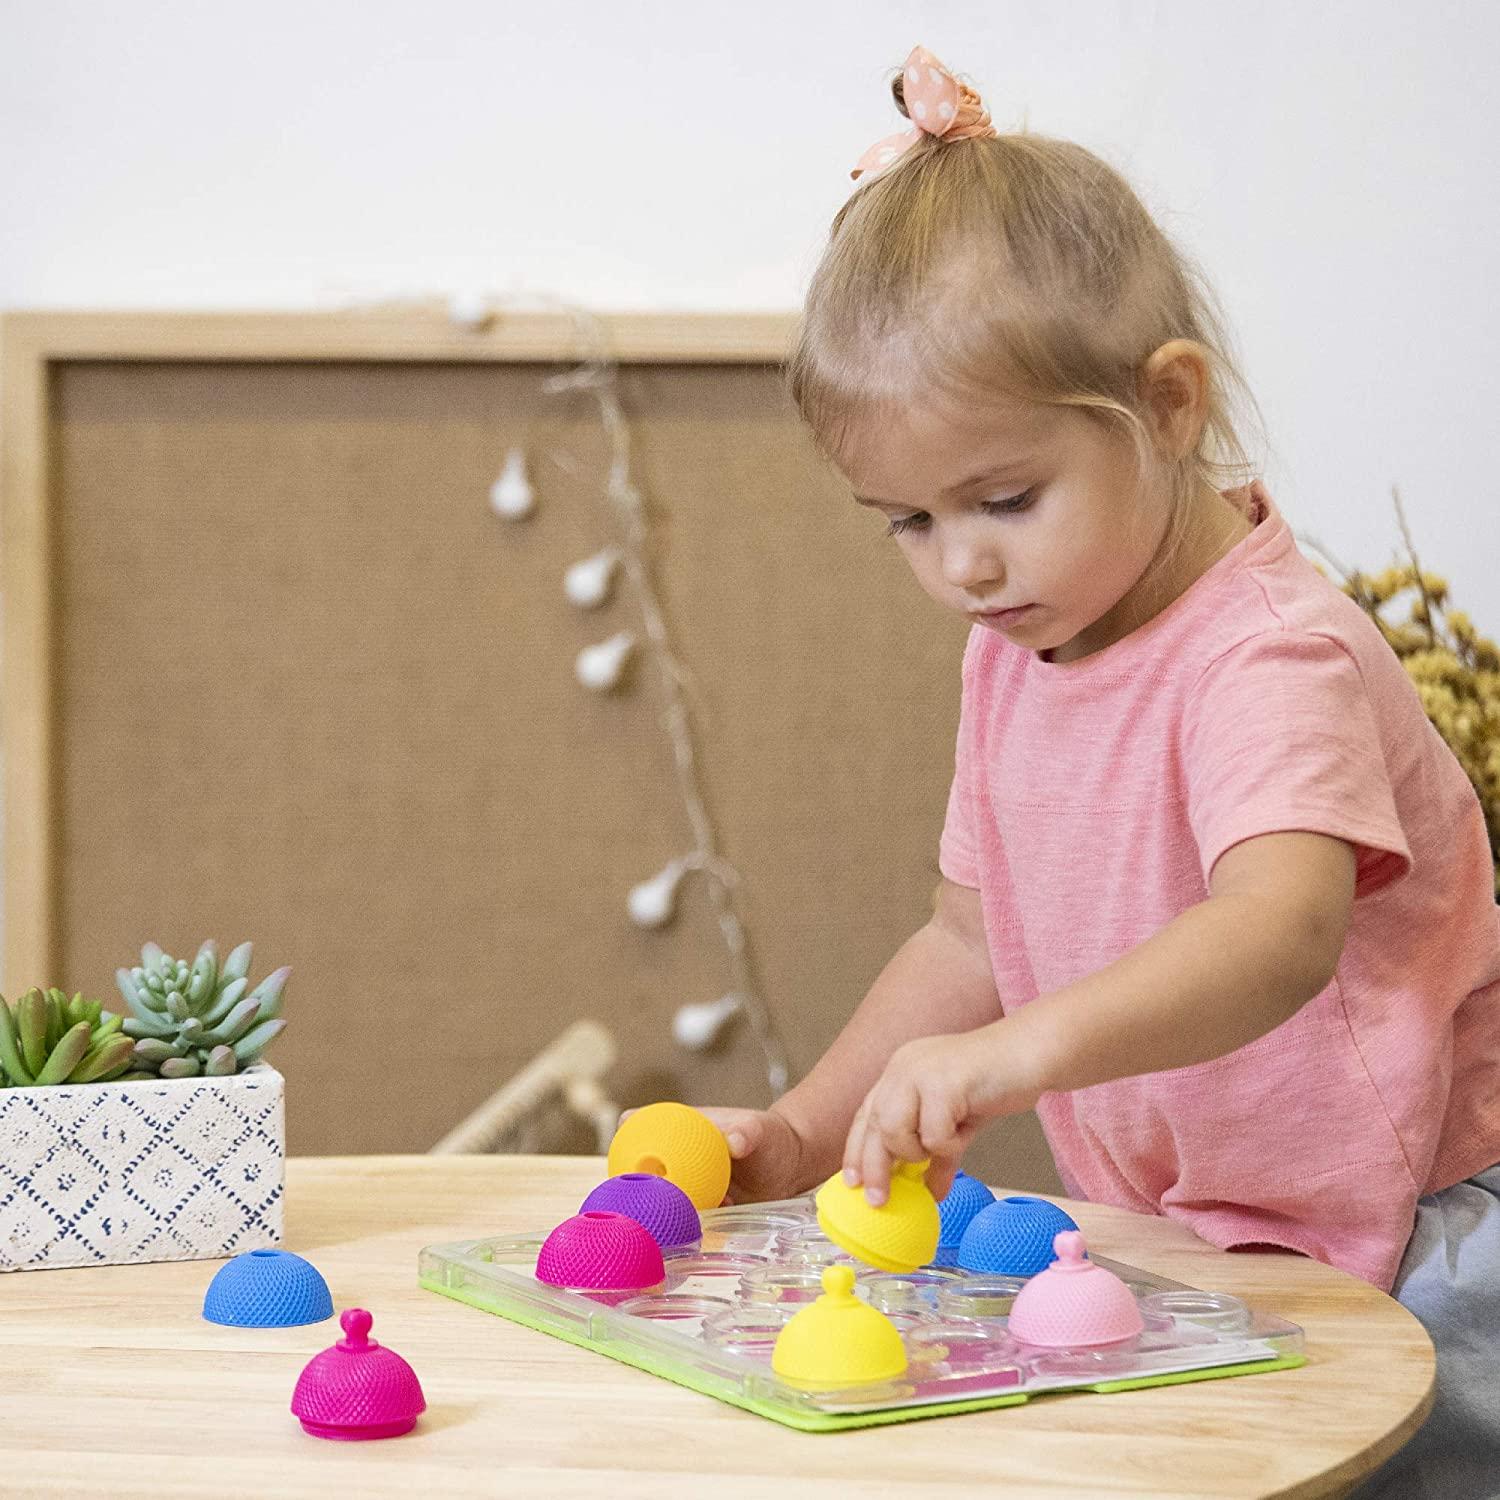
<point x="115" y="1385"/>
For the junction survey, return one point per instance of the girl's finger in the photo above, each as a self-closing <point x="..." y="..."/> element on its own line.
<point x="940" y="1176"/>
<point x="891" y="1131"/>
<point x="744" y="1129"/>
<point x="899" y="1123"/>
<point x="744" y="1137"/>
<point x="854" y="1143"/>
<point x="945" y="1164"/>
<point x="875" y="1167"/>
<point x="938" y="1128"/>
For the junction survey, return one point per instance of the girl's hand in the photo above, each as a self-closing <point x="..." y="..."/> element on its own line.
<point x="935" y="1094"/>
<point x="765" y="1151"/>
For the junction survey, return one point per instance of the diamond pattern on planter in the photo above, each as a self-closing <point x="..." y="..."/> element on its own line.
<point x="113" y="1227"/>
<point x="213" y="1214"/>
<point x="204" y="1129"/>
<point x="30" y="1131"/>
<point x="67" y="1182"/>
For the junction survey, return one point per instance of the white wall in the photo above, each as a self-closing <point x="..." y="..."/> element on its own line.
<point x="1330" y="163"/>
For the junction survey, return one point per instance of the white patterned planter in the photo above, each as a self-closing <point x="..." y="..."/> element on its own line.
<point x="172" y="1169"/>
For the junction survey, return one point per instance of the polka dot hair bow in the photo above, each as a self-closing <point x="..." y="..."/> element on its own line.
<point x="937" y="104"/>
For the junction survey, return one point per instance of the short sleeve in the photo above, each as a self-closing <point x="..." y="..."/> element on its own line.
<point x="1281" y="736"/>
<point x="958" y="854"/>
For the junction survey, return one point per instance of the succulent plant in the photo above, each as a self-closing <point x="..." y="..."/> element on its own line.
<point x="196" y="1018"/>
<point x="46" y="1038"/>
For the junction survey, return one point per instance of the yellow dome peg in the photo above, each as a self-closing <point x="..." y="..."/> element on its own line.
<point x="839" y="1340"/>
<point x="673" y="1141"/>
<point x="901" y="1235"/>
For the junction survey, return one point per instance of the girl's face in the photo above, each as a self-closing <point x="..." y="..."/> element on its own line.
<point x="1029" y="520"/>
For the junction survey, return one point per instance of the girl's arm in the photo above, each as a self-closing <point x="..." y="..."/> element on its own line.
<point x="938" y="981"/>
<point x="1223" y="973"/>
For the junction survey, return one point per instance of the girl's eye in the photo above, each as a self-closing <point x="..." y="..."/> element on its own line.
<point x="917" y="522"/>
<point x="920" y="520"/>
<point x="1010" y="506"/>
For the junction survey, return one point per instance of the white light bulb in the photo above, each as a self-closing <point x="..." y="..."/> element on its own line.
<point x="470" y="309"/>
<point x="601" y="667"/>
<point x="587" y="583"/>
<point x="511" y="494"/>
<point x="697" y="1027"/>
<point x="653" y="901"/>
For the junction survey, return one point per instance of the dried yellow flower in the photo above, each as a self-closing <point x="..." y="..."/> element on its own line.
<point x="1434" y="587"/>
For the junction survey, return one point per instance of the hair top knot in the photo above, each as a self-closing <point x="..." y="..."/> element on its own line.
<point x="936" y="103"/>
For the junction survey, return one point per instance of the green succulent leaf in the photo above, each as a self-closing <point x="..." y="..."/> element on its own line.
<point x="221" y="1063"/>
<point x="254" y="1042"/>
<point x="57" y="1017"/>
<point x="11" y="1059"/>
<point x="105" y="1062"/>
<point x="154" y="1051"/>
<point x="268" y="992"/>
<point x="31" y="1027"/>
<point x="203" y="979"/>
<point x="234" y="1025"/>
<point x="237" y="965"/>
<point x="67" y="1054"/>
<point x="143" y="1021"/>
<point x="132" y="984"/>
<point x="224" y="1002"/>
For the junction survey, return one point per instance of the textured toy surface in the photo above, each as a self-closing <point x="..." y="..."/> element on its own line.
<point x="676" y="1142"/>
<point x="1012" y="1237"/>
<point x="1074" y="1303"/>
<point x="357" y="1390"/>
<point x="838" y="1340"/>
<point x="900" y="1235"/>
<point x="267" y="1289"/>
<point x="659" y="1206"/>
<point x="956" y="1211"/>
<point x="600" y="1251"/>
<point x="715" y="1323"/>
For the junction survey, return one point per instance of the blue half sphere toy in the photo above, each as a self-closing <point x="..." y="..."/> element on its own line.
<point x="1013" y="1237"/>
<point x="267" y="1289"/>
<point x="967" y="1197"/>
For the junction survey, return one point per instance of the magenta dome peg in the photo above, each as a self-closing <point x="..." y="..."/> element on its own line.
<point x="357" y="1390"/>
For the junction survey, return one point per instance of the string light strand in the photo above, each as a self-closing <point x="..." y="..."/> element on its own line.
<point x="596" y="374"/>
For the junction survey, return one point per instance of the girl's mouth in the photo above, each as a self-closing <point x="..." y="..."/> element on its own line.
<point x="1002" y="617"/>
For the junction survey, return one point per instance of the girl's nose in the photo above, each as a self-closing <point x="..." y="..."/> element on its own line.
<point x="971" y="565"/>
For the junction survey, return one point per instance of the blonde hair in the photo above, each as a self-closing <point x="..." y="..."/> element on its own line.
<point x="1019" y="267"/>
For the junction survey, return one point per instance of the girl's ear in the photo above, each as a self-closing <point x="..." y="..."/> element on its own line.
<point x="1174" y="389"/>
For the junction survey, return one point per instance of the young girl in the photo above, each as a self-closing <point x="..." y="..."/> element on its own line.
<point x="1218" y="902"/>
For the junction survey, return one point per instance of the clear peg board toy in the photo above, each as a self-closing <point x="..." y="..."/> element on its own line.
<point x="758" y="1307"/>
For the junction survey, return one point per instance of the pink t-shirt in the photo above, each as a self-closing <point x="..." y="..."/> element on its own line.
<point x="1090" y="801"/>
